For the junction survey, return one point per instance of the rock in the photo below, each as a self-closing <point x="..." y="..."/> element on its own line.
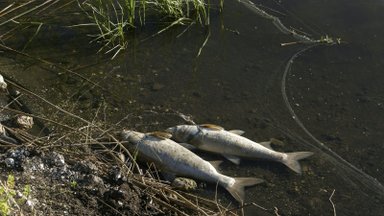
<point x="4" y="136"/>
<point x="10" y="162"/>
<point x="56" y="159"/>
<point x="184" y="184"/>
<point x="3" y="84"/>
<point x="25" y="122"/>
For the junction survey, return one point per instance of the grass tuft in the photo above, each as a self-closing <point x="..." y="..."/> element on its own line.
<point x="115" y="18"/>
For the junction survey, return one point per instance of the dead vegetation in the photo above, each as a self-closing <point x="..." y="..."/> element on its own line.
<point x="98" y="144"/>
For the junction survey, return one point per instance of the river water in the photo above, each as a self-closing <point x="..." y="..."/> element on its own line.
<point x="334" y="96"/>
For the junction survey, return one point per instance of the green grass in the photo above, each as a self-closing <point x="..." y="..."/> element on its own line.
<point x="114" y="18"/>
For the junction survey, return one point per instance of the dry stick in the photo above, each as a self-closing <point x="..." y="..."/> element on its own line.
<point x="333" y="205"/>
<point x="11" y="102"/>
<point x="77" y="117"/>
<point x="58" y="8"/>
<point x="6" y="8"/>
<point x="22" y="135"/>
<point x="216" y="188"/>
<point x="160" y="191"/>
<point x="26" y="12"/>
<point x="13" y="9"/>
<point x="251" y="204"/>
<point x="39" y="117"/>
<point x="334" y="158"/>
<point x="70" y="114"/>
<point x="207" y="202"/>
<point x="179" y="21"/>
<point x="186" y="29"/>
<point x="109" y="206"/>
<point x="7" y="144"/>
<point x="164" y="204"/>
<point x="186" y="200"/>
<point x="302" y="39"/>
<point x="3" y="36"/>
<point x="204" y="43"/>
<point x="200" y="209"/>
<point x="276" y="211"/>
<point x="45" y="8"/>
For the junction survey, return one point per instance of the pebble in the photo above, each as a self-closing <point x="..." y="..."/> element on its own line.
<point x="24" y="121"/>
<point x="184" y="184"/>
<point x="10" y="162"/>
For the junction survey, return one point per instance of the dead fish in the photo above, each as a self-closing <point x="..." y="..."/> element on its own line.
<point x="232" y="145"/>
<point x="171" y="157"/>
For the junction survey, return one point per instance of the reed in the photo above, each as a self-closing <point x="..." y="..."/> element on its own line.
<point x="112" y="20"/>
<point x="115" y="18"/>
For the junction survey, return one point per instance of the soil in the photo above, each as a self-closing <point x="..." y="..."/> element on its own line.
<point x="62" y="185"/>
<point x="52" y="174"/>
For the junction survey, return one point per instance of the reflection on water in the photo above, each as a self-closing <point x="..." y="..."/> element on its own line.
<point x="335" y="91"/>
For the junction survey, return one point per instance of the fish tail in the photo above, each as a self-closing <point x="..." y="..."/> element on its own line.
<point x="292" y="160"/>
<point x="237" y="189"/>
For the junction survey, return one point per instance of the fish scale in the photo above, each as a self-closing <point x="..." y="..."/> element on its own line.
<point x="232" y="145"/>
<point x="171" y="157"/>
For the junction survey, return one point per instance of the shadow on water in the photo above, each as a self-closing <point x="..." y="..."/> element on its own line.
<point x="335" y="94"/>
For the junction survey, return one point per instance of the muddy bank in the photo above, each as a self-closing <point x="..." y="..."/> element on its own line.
<point x="79" y="171"/>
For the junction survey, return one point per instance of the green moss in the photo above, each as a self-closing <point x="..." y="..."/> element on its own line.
<point x="8" y="199"/>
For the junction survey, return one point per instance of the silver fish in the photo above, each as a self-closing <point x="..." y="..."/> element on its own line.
<point x="232" y="145"/>
<point x="171" y="157"/>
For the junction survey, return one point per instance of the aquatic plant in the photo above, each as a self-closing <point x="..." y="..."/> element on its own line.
<point x="115" y="18"/>
<point x="22" y="15"/>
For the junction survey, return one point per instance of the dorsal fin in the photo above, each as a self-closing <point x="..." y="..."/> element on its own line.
<point x="216" y="163"/>
<point x="266" y="144"/>
<point x="234" y="159"/>
<point x="211" y="126"/>
<point x="160" y="134"/>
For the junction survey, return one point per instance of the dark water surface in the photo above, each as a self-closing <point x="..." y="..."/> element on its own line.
<point x="336" y="92"/>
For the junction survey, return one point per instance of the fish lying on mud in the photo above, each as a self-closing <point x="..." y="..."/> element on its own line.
<point x="171" y="157"/>
<point x="232" y="145"/>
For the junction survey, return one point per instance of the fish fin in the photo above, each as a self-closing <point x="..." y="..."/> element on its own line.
<point x="274" y="141"/>
<point x="211" y="126"/>
<point x="216" y="163"/>
<point x="232" y="158"/>
<point x="237" y="189"/>
<point x="266" y="144"/>
<point x="238" y="132"/>
<point x="160" y="134"/>
<point x="292" y="160"/>
<point x="188" y="146"/>
<point x="277" y="142"/>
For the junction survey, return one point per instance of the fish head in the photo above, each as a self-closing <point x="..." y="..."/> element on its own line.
<point x="133" y="137"/>
<point x="183" y="133"/>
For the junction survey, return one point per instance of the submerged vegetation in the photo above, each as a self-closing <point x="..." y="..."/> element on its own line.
<point x="115" y="18"/>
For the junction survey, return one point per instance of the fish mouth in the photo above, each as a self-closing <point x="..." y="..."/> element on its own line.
<point x="170" y="130"/>
<point x="127" y="134"/>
